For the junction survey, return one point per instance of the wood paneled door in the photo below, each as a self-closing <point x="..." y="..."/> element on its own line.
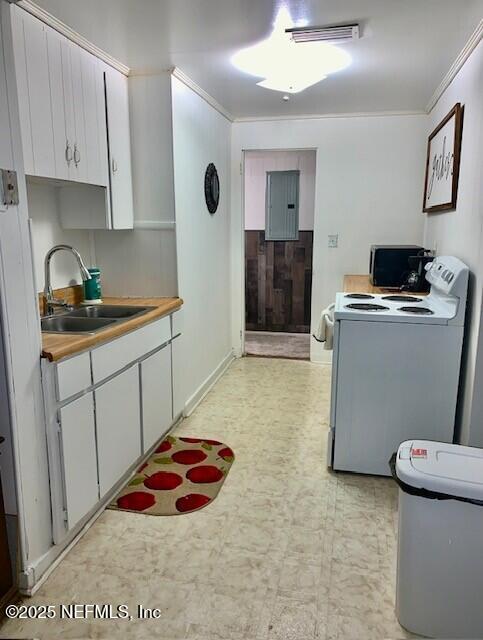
<point x="278" y="283"/>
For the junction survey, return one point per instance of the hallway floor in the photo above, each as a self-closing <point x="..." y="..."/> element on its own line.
<point x="288" y="551"/>
<point x="273" y="344"/>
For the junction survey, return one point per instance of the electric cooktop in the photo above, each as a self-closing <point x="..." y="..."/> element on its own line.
<point x="367" y="306"/>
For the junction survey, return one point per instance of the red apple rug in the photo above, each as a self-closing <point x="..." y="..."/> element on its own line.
<point x="182" y="475"/>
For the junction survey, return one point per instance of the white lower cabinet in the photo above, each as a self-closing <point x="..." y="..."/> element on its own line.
<point x="118" y="422"/>
<point x="156" y="396"/>
<point x="78" y="449"/>
<point x="105" y="408"/>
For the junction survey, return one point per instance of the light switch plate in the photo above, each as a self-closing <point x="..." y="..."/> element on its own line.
<point x="333" y="241"/>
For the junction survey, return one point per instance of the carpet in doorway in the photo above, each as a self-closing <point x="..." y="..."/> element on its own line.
<point x="271" y="344"/>
<point x="181" y="476"/>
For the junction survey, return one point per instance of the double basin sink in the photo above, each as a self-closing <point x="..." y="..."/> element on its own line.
<point x="90" y="319"/>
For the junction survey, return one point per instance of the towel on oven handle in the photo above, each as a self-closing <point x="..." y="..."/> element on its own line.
<point x="325" y="329"/>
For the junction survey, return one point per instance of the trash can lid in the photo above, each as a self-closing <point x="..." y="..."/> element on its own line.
<point x="450" y="469"/>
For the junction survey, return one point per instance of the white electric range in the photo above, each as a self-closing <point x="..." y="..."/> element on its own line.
<point x="396" y="368"/>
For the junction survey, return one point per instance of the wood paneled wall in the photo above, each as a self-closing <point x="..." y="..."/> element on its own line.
<point x="278" y="283"/>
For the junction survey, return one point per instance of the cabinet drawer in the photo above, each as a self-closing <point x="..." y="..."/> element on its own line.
<point x="115" y="355"/>
<point x="73" y="376"/>
<point x="177" y="322"/>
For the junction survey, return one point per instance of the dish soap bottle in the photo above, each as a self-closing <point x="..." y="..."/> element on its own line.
<point x="92" y="287"/>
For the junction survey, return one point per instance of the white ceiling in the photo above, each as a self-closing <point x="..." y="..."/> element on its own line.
<point x="406" y="48"/>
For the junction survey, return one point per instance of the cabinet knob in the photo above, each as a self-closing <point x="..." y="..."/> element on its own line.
<point x="77" y="155"/>
<point x="114" y="166"/>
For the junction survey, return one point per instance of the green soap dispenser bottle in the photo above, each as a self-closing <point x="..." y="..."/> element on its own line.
<point x="92" y="287"/>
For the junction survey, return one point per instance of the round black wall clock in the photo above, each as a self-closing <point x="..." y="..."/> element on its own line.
<point x="212" y="188"/>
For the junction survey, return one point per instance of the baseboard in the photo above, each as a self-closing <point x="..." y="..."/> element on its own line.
<point x="10" y="597"/>
<point x="325" y="357"/>
<point x="208" y="384"/>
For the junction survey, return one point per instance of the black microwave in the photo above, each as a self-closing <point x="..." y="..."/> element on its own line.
<point x="389" y="263"/>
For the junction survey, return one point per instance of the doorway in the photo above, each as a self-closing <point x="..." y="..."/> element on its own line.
<point x="279" y="195"/>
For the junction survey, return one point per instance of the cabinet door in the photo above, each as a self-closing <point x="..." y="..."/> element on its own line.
<point x="118" y="424"/>
<point x="62" y="146"/>
<point x="78" y="448"/>
<point x="67" y="87"/>
<point x="94" y="112"/>
<point x="156" y="396"/>
<point x="32" y="68"/>
<point x="18" y="38"/>
<point x="80" y="148"/>
<point x="102" y="127"/>
<point x="117" y="103"/>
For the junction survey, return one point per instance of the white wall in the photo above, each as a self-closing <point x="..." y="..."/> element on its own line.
<point x="257" y="163"/>
<point x="459" y="232"/>
<point x="142" y="262"/>
<point x="200" y="136"/>
<point x="369" y="181"/>
<point x="152" y="147"/>
<point x="135" y="263"/>
<point x="46" y="232"/>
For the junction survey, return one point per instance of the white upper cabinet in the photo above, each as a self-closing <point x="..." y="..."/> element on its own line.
<point x="117" y="103"/>
<point x="62" y="113"/>
<point x="32" y="67"/>
<point x="69" y="132"/>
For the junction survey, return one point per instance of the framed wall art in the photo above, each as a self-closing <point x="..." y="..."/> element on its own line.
<point x="443" y="163"/>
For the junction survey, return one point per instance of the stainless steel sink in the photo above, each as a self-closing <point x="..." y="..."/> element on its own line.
<point x="67" y="324"/>
<point x="108" y="311"/>
<point x="91" y="318"/>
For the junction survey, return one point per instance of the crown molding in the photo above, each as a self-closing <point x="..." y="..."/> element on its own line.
<point x="182" y="77"/>
<point x="148" y="72"/>
<point x="74" y="36"/>
<point x="323" y="116"/>
<point x="69" y="33"/>
<point x="473" y="41"/>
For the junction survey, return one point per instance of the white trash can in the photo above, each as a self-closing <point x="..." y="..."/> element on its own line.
<point x="440" y="544"/>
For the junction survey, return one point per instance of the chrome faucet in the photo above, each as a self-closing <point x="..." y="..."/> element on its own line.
<point x="50" y="303"/>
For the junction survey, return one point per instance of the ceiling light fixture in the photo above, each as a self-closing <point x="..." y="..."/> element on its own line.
<point x="287" y="66"/>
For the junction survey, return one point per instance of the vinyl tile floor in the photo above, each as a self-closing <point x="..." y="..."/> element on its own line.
<point x="287" y="551"/>
<point x="278" y="345"/>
